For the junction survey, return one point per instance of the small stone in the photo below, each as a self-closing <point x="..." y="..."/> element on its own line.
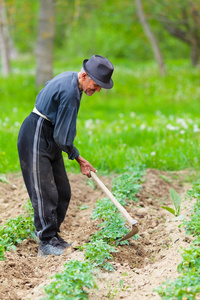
<point x="141" y="212"/>
<point x="145" y="235"/>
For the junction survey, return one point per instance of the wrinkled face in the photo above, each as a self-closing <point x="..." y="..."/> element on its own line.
<point x="90" y="87"/>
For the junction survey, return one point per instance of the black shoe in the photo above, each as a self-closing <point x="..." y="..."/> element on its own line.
<point x="51" y="247"/>
<point x="62" y="241"/>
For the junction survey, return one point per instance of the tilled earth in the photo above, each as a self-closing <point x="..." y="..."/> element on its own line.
<point x="138" y="268"/>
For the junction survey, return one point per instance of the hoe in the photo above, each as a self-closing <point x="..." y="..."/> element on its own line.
<point x="132" y="222"/>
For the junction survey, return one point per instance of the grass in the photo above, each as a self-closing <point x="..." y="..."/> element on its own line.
<point x="145" y="118"/>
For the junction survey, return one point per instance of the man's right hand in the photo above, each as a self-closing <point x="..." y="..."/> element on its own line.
<point x="85" y="166"/>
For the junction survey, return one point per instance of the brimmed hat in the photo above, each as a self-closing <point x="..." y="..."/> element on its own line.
<point x="100" y="69"/>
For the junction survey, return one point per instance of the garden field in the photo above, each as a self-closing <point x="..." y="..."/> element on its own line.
<point x="138" y="267"/>
<point x="143" y="138"/>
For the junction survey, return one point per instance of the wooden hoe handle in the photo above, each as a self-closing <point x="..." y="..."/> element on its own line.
<point x="114" y="200"/>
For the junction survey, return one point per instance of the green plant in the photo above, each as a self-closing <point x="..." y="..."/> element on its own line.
<point x="165" y="178"/>
<point x="186" y="286"/>
<point x="16" y="230"/>
<point x="127" y="186"/>
<point x="2" y="250"/>
<point x="192" y="226"/>
<point x="176" y="200"/>
<point x="143" y="129"/>
<point x="72" y="283"/>
<point x="83" y="207"/>
<point x="112" y="228"/>
<point x="3" y="179"/>
<point x="98" y="253"/>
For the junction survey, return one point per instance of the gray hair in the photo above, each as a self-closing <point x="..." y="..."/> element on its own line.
<point x="83" y="71"/>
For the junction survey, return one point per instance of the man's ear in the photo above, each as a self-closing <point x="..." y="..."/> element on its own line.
<point x="84" y="75"/>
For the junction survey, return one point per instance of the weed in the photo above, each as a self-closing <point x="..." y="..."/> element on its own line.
<point x="111" y="293"/>
<point x="152" y="258"/>
<point x="83" y="207"/>
<point x="3" y="179"/>
<point x="121" y="284"/>
<point x="165" y="178"/>
<point x="91" y="184"/>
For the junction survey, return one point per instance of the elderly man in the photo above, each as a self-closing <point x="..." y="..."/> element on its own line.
<point x="44" y="134"/>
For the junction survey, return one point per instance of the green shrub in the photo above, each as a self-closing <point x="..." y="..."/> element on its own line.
<point x="71" y="284"/>
<point x="186" y="286"/>
<point x="16" y="230"/>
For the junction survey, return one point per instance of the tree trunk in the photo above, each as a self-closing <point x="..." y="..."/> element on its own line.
<point x="150" y="36"/>
<point x="4" y="47"/>
<point x="194" y="52"/>
<point x="45" y="43"/>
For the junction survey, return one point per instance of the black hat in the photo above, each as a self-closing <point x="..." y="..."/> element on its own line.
<point x="100" y="70"/>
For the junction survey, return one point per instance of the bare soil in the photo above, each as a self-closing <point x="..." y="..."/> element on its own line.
<point x="138" y="268"/>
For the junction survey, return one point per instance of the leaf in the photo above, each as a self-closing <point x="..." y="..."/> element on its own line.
<point x="121" y="284"/>
<point x="83" y="207"/>
<point x="176" y="200"/>
<point x="171" y="210"/>
<point x="3" y="179"/>
<point x="180" y="218"/>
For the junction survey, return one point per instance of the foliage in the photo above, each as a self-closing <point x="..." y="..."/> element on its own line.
<point x="23" y="17"/>
<point x="16" y="230"/>
<point x="186" y="286"/>
<point x="125" y="188"/>
<point x="71" y="283"/>
<point x="98" y="252"/>
<point x="193" y="226"/>
<point x="113" y="225"/>
<point x="181" y="20"/>
<point x="82" y="27"/>
<point x="127" y="185"/>
<point x="3" y="178"/>
<point x="176" y="200"/>
<point x="138" y="121"/>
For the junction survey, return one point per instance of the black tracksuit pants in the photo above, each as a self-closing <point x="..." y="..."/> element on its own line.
<point x="44" y="175"/>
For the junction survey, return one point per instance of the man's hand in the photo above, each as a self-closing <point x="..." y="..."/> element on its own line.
<point x="85" y="166"/>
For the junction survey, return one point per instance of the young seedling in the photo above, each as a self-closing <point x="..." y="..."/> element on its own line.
<point x="177" y="202"/>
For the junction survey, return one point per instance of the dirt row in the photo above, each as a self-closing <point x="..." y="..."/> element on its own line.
<point x="138" y="268"/>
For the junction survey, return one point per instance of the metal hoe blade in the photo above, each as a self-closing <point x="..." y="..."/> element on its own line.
<point x="133" y="231"/>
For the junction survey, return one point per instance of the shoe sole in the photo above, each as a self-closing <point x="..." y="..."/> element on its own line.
<point x="50" y="250"/>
